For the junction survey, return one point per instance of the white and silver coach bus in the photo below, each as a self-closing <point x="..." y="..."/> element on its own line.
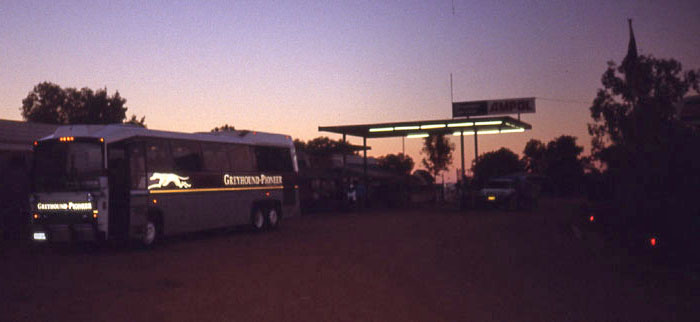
<point x="95" y="182"/>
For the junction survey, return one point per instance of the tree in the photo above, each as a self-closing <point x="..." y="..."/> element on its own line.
<point x="559" y="160"/>
<point x="325" y="145"/>
<point x="49" y="103"/>
<point x="397" y="163"/>
<point x="299" y="145"/>
<point x="224" y="128"/>
<point x="496" y="163"/>
<point x="534" y="156"/>
<point x="438" y="150"/>
<point x="45" y="104"/>
<point x="424" y="176"/>
<point x="563" y="164"/>
<point x="135" y="121"/>
<point x="635" y="104"/>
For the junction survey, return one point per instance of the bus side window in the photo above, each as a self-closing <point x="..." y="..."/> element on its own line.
<point x="158" y="157"/>
<point x="273" y="159"/>
<point x="214" y="157"/>
<point x="137" y="164"/>
<point x="241" y="158"/>
<point x="262" y="156"/>
<point x="285" y="160"/>
<point x="186" y="155"/>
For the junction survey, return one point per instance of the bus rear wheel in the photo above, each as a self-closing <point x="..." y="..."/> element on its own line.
<point x="273" y="218"/>
<point x="257" y="220"/>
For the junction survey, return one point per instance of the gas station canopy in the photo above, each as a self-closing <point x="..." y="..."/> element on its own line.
<point x="419" y="129"/>
<point x="463" y="123"/>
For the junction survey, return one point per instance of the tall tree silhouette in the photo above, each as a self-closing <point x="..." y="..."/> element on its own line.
<point x="637" y="98"/>
<point x="650" y="156"/>
<point x="438" y="153"/>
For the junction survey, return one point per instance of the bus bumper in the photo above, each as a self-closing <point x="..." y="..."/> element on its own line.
<point x="66" y="233"/>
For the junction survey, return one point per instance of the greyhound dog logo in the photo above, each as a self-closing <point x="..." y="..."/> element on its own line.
<point x="165" y="179"/>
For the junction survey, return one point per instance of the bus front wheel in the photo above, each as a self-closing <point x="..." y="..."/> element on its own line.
<point x="273" y="218"/>
<point x="150" y="233"/>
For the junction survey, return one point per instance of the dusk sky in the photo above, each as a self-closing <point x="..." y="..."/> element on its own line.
<point x="290" y="66"/>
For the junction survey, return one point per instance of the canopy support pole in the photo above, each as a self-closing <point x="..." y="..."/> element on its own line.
<point x="364" y="172"/>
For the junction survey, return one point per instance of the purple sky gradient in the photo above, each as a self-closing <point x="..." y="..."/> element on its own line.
<point x="290" y="66"/>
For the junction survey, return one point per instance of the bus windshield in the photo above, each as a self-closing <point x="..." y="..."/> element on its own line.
<point x="67" y="166"/>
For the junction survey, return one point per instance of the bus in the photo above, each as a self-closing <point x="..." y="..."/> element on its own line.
<point x="124" y="182"/>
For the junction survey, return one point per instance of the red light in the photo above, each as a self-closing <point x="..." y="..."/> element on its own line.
<point x="267" y="194"/>
<point x="155" y="201"/>
<point x="94" y="216"/>
<point x="36" y="143"/>
<point x="36" y="216"/>
<point x="591" y="218"/>
<point x="652" y="241"/>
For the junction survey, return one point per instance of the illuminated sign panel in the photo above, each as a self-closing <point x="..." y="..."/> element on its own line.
<point x="262" y="179"/>
<point x="512" y="106"/>
<point x="165" y="179"/>
<point x="65" y="206"/>
<point x="493" y="107"/>
<point x="176" y="183"/>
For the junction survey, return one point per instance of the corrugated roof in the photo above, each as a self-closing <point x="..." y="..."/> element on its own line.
<point x="19" y="135"/>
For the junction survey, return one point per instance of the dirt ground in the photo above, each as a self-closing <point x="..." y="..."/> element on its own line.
<point x="398" y="265"/>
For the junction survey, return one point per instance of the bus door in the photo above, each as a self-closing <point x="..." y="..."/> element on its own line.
<point x="289" y="182"/>
<point x="118" y="171"/>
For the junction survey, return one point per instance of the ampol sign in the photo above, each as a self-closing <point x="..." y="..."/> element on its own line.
<point x="491" y="107"/>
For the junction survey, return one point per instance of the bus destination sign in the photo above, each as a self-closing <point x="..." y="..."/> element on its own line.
<point x="493" y="107"/>
<point x="261" y="180"/>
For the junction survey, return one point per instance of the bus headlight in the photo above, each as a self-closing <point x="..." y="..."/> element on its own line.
<point x="39" y="236"/>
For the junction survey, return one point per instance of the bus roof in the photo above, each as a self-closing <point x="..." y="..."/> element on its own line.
<point x="117" y="132"/>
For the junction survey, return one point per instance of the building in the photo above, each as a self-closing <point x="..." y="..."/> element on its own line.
<point x="16" y="138"/>
<point x="689" y="110"/>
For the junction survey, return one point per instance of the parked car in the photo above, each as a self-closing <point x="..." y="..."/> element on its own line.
<point x="510" y="192"/>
